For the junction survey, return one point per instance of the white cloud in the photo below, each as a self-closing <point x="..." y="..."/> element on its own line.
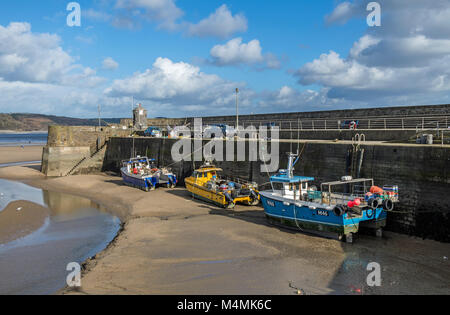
<point x="235" y="52"/>
<point x="96" y="15"/>
<point x="25" y="56"/>
<point x="37" y="57"/>
<point x="405" y="60"/>
<point x="220" y="24"/>
<point x="109" y="64"/>
<point x="174" y="83"/>
<point x="289" y="99"/>
<point x="344" y="12"/>
<point x="164" y="12"/>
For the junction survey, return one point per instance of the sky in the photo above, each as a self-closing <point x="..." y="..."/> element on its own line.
<point x="184" y="58"/>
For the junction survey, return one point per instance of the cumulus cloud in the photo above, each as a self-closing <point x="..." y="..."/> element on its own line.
<point x="176" y="83"/>
<point x="163" y="12"/>
<point x="25" y="56"/>
<point x="290" y="99"/>
<point x="220" y="24"/>
<point x="38" y="57"/>
<point x="38" y="75"/>
<point x="404" y="60"/>
<point x="235" y="52"/>
<point x="109" y="64"/>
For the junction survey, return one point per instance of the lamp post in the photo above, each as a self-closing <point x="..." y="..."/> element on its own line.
<point x="237" y="109"/>
<point x="99" y="138"/>
<point x="99" y="119"/>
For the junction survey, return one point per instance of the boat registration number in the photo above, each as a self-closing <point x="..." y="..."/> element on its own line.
<point x="323" y="213"/>
<point x="271" y="203"/>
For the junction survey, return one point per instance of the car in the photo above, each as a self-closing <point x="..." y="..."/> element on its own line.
<point x="350" y="124"/>
<point x="213" y="130"/>
<point x="271" y="125"/>
<point x="154" y="132"/>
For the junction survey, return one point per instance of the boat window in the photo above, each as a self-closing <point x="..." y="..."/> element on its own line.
<point x="277" y="186"/>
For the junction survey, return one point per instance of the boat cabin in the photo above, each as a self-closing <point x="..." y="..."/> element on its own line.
<point x="292" y="187"/>
<point x="139" y="164"/>
<point x="206" y="174"/>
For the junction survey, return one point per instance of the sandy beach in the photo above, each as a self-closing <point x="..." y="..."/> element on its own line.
<point x="18" y="154"/>
<point x="171" y="244"/>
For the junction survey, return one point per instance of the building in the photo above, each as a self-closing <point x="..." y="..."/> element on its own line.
<point x="140" y="118"/>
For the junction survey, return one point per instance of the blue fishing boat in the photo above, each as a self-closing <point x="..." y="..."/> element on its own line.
<point x="340" y="207"/>
<point x="141" y="172"/>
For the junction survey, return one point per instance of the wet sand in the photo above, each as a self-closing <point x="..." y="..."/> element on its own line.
<point x="171" y="244"/>
<point x="14" y="154"/>
<point x="19" y="219"/>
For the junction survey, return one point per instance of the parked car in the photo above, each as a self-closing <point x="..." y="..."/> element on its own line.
<point x="350" y="124"/>
<point x="154" y="132"/>
<point x="211" y="130"/>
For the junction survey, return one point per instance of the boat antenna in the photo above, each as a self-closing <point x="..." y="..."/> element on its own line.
<point x="298" y="138"/>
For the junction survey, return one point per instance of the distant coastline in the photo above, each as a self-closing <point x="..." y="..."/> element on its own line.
<point x="22" y="131"/>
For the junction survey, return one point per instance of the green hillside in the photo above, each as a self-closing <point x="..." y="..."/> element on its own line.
<point x="37" y="122"/>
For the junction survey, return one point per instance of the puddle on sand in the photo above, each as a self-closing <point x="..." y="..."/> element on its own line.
<point x="76" y="229"/>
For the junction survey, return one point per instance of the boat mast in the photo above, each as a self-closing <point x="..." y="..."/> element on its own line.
<point x="291" y="161"/>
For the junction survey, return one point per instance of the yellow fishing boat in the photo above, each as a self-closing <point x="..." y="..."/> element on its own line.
<point x="208" y="185"/>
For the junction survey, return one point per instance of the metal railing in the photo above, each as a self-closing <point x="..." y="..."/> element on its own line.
<point x="367" y="123"/>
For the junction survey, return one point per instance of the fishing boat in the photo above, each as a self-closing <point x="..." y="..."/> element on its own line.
<point x="141" y="172"/>
<point x="340" y="207"/>
<point x="208" y="184"/>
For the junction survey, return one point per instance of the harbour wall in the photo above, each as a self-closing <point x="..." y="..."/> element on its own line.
<point x="422" y="172"/>
<point x="69" y="145"/>
<point x="364" y="113"/>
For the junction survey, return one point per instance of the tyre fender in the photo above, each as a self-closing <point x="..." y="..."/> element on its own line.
<point x="388" y="205"/>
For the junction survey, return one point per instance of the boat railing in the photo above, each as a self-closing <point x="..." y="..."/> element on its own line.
<point x="237" y="180"/>
<point x="341" y="198"/>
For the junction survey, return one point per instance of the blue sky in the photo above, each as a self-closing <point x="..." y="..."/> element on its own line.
<point x="185" y="57"/>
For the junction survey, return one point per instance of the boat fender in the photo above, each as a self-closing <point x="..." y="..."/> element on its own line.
<point x="339" y="211"/>
<point x="388" y="205"/>
<point x="375" y="203"/>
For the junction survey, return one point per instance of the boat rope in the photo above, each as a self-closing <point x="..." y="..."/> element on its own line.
<point x="267" y="169"/>
<point x="295" y="219"/>
<point x="187" y="155"/>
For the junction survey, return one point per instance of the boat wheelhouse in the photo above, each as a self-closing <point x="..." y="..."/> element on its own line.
<point x="340" y="207"/>
<point x="141" y="172"/>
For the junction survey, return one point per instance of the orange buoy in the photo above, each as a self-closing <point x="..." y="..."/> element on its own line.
<point x="376" y="190"/>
